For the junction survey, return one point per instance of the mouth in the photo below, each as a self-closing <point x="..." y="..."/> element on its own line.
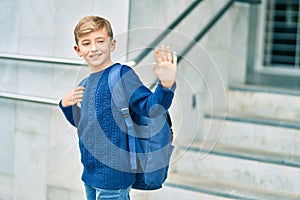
<point x="95" y="56"/>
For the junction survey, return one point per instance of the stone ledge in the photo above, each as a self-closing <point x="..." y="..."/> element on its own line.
<point x="223" y="189"/>
<point x="265" y="89"/>
<point x="255" y="120"/>
<point x="248" y="154"/>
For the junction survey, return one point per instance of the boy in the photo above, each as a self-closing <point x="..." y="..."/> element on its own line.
<point x="103" y="141"/>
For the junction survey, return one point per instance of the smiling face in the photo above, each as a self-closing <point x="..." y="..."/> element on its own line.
<point x="95" y="47"/>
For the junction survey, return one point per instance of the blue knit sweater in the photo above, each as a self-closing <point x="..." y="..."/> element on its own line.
<point x="103" y="141"/>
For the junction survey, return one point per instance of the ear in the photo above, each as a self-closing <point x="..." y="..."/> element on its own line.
<point x="113" y="45"/>
<point x="77" y="50"/>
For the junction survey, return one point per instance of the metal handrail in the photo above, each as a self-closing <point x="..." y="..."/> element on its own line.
<point x="206" y="28"/>
<point x="211" y="23"/>
<point x="249" y="1"/>
<point x="202" y="32"/>
<point x="28" y="98"/>
<point x="48" y="60"/>
<point x="41" y="59"/>
<point x="165" y="33"/>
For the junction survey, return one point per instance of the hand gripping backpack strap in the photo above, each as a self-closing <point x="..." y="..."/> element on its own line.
<point x="77" y="107"/>
<point x="119" y="98"/>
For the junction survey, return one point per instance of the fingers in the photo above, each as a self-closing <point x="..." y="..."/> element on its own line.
<point x="73" y="97"/>
<point x="165" y="55"/>
<point x="78" y="94"/>
<point x="157" y="55"/>
<point x="79" y="89"/>
<point x="169" y="54"/>
<point x="174" y="58"/>
<point x="154" y="66"/>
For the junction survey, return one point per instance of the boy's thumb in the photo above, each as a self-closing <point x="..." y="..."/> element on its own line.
<point x="154" y="66"/>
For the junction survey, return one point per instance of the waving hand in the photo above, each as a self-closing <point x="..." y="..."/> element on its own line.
<point x="166" y="67"/>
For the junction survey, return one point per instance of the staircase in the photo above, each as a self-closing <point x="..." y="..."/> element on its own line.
<point x="256" y="157"/>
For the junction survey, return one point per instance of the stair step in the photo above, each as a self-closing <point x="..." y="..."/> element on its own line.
<point x="264" y="102"/>
<point x="246" y="154"/>
<point x="264" y="89"/>
<point x="263" y="134"/>
<point x="221" y="189"/>
<point x="256" y="119"/>
<point x="240" y="166"/>
<point x="171" y="190"/>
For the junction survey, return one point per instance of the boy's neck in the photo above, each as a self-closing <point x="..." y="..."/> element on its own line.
<point x="95" y="69"/>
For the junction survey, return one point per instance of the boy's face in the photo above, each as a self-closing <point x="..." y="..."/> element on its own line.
<point x="95" y="47"/>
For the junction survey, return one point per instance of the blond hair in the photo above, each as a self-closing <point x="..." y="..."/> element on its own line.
<point x="92" y="23"/>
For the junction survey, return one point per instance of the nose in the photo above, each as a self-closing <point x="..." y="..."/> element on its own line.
<point x="94" y="46"/>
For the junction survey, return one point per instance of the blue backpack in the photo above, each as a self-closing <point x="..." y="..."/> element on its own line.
<point x="150" y="139"/>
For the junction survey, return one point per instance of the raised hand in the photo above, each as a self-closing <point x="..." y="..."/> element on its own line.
<point x="166" y="67"/>
<point x="73" y="97"/>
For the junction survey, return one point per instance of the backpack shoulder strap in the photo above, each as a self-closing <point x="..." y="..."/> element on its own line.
<point x="83" y="82"/>
<point x="77" y="108"/>
<point x="119" y="98"/>
<point x="116" y="87"/>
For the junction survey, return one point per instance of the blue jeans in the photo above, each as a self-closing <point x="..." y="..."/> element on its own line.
<point x="93" y="193"/>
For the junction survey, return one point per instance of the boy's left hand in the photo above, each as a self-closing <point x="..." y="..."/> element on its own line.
<point x="166" y="67"/>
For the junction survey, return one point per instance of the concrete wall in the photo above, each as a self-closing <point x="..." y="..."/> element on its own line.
<point x="38" y="149"/>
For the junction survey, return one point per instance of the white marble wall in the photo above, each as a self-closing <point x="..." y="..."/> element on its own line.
<point x="39" y="155"/>
<point x="7" y="149"/>
<point x="30" y="151"/>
